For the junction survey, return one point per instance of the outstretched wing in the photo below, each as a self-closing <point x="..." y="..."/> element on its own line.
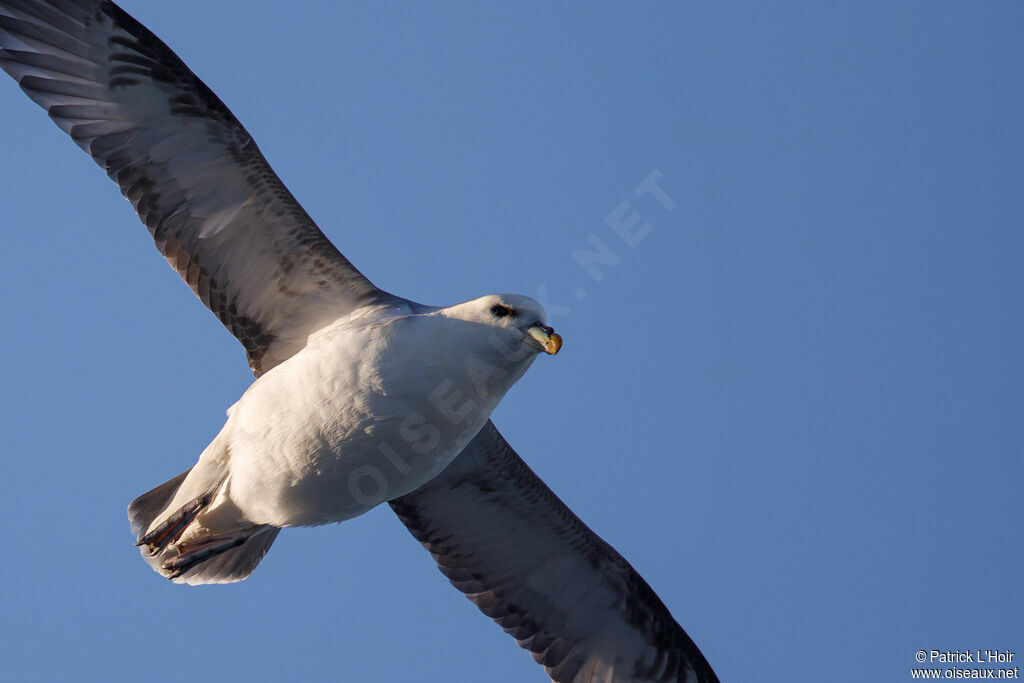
<point x="506" y="541"/>
<point x="215" y="208"/>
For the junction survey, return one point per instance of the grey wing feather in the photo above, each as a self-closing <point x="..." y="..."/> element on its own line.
<point x="213" y="205"/>
<point x="506" y="541"/>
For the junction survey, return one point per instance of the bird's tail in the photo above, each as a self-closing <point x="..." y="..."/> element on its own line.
<point x="178" y="547"/>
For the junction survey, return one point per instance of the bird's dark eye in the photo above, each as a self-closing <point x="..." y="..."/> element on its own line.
<point x="501" y="310"/>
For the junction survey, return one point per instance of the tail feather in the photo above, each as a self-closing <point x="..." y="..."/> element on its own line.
<point x="202" y="555"/>
<point x="147" y="507"/>
<point x="233" y="564"/>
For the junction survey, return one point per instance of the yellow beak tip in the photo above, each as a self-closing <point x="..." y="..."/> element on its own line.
<point x="554" y="344"/>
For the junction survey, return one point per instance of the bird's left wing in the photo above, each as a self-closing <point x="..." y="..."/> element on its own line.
<point x="506" y="541"/>
<point x="215" y="208"/>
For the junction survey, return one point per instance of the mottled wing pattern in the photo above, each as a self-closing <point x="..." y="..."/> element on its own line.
<point x="215" y="208"/>
<point x="506" y="541"/>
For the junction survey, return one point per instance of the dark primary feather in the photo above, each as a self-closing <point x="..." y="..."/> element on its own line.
<point x="506" y="541"/>
<point x="215" y="208"/>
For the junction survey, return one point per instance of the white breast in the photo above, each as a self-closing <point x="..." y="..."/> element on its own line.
<point x="365" y="413"/>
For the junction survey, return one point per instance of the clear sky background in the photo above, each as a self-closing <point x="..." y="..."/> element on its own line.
<point x="795" y="406"/>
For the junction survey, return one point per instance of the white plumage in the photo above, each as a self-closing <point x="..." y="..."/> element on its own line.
<point x="373" y="407"/>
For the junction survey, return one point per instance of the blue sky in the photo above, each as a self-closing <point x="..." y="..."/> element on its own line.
<point x="795" y="406"/>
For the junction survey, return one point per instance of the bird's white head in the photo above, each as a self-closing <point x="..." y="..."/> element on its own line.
<point x="513" y="316"/>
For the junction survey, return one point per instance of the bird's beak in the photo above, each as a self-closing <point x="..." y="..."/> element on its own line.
<point x="543" y="338"/>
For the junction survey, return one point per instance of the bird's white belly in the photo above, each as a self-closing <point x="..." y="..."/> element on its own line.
<point x="325" y="437"/>
<point x="316" y="477"/>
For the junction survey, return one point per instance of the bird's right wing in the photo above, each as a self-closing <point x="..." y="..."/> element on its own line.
<point x="215" y="208"/>
<point x="506" y="541"/>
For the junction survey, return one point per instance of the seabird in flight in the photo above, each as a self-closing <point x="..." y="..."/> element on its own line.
<point x="361" y="397"/>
